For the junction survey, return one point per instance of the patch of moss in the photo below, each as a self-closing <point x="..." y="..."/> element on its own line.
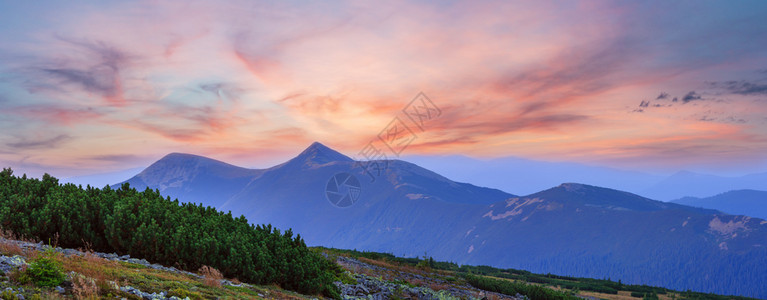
<point x="183" y="293"/>
<point x="132" y="265"/>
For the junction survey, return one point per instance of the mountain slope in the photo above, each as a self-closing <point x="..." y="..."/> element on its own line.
<point x="568" y="230"/>
<point x="572" y="229"/>
<point x="193" y="178"/>
<point x="524" y="176"/>
<point x="592" y="196"/>
<point x="741" y="202"/>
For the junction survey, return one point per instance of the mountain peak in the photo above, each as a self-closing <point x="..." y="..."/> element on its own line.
<point x="178" y="163"/>
<point x="594" y="196"/>
<point x="571" y="187"/>
<point x="179" y="155"/>
<point x="177" y="159"/>
<point x="318" y="154"/>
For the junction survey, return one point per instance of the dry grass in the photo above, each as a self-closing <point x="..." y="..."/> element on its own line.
<point x="8" y="244"/>
<point x="10" y="248"/>
<point x="91" y="266"/>
<point x="84" y="287"/>
<point x="356" y="269"/>
<point x="18" y="274"/>
<point x="416" y="282"/>
<point x="212" y="276"/>
<point x="622" y="295"/>
<point x="93" y="272"/>
<point x="350" y="267"/>
<point x="438" y="286"/>
<point x="425" y="271"/>
<point x="391" y="266"/>
<point x="493" y="297"/>
<point x="96" y="277"/>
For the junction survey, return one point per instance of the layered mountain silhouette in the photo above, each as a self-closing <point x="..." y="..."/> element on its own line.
<point x="531" y="175"/>
<point x="690" y="184"/>
<point x="523" y="176"/>
<point x="740" y="202"/>
<point x="401" y="208"/>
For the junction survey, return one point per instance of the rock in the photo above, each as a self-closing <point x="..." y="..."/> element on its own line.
<point x="14" y="261"/>
<point x="363" y="290"/>
<point x="69" y="252"/>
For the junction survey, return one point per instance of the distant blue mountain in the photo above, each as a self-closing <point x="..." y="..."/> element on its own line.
<point x="689" y="184"/>
<point x="571" y="229"/>
<point x="525" y="176"/>
<point x="741" y="202"/>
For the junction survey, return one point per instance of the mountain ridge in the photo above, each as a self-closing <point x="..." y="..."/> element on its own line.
<point x="573" y="229"/>
<point x="739" y="202"/>
<point x="526" y="176"/>
<point x="631" y="201"/>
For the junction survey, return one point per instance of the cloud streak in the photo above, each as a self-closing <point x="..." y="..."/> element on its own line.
<point x="98" y="72"/>
<point x="542" y="80"/>
<point x="742" y="87"/>
<point x="44" y="143"/>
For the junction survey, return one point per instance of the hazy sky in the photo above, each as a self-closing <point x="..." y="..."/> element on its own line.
<point x="652" y="85"/>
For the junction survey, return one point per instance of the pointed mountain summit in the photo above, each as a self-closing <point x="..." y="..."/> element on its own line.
<point x="318" y="154"/>
<point x="574" y="229"/>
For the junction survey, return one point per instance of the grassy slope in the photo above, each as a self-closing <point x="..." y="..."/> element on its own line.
<point x="583" y="287"/>
<point x="96" y="277"/>
<point x="99" y="277"/>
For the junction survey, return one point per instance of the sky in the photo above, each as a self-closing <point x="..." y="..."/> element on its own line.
<point x="648" y="85"/>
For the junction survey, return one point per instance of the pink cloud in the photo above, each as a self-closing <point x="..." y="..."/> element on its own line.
<point x="513" y="77"/>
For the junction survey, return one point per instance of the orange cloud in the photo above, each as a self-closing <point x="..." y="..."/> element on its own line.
<point x="542" y="80"/>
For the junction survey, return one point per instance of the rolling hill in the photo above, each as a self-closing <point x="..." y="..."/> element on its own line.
<point x="741" y="202"/>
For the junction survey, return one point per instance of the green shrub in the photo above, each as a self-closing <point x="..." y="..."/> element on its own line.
<point x="46" y="270"/>
<point x="346" y="278"/>
<point x="149" y="226"/>
<point x="533" y="292"/>
<point x="8" y="295"/>
<point x="652" y="296"/>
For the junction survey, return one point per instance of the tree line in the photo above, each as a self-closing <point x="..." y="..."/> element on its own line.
<point x="161" y="230"/>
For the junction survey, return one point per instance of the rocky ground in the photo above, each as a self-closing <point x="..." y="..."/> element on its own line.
<point x="9" y="263"/>
<point x="376" y="281"/>
<point x="367" y="279"/>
